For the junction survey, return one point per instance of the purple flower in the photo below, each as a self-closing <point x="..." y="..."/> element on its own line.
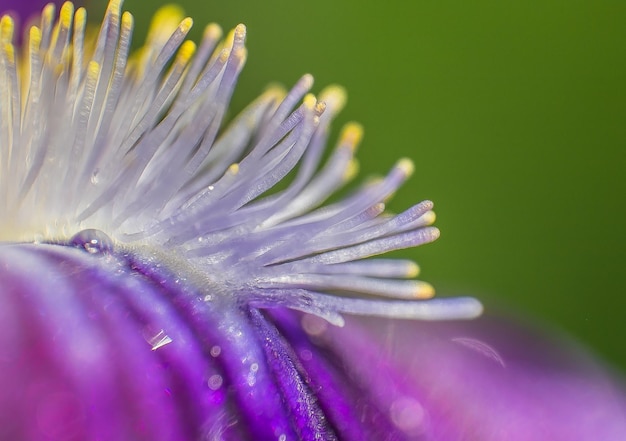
<point x="167" y="276"/>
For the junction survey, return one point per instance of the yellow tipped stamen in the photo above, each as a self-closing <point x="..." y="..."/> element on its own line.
<point x="406" y="166"/>
<point x="336" y="95"/>
<point x="351" y="135"/>
<point x="212" y="32"/>
<point x="186" y="52"/>
<point x="424" y="290"/>
<point x="352" y="169"/>
<point x="165" y="20"/>
<point x="307" y="81"/>
<point x="229" y="39"/>
<point x="224" y="54"/>
<point x="275" y="91"/>
<point x="186" y="25"/>
<point x="310" y="101"/>
<point x="429" y="217"/>
<point x="66" y="14"/>
<point x="93" y="70"/>
<point x="9" y="53"/>
<point x="412" y="270"/>
<point x="34" y="39"/>
<point x="60" y="35"/>
<point x="233" y="169"/>
<point x="47" y="15"/>
<point x="7" y="27"/>
<point x="80" y="18"/>
<point x="127" y="20"/>
<point x="114" y="7"/>
<point x="240" y="32"/>
<point x="120" y="127"/>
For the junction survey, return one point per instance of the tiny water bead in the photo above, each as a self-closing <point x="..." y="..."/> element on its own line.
<point x="93" y="241"/>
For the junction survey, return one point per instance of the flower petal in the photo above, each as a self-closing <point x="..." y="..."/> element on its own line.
<point x="486" y="379"/>
<point x="102" y="345"/>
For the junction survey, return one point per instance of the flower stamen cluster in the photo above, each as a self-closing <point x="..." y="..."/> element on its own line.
<point x="94" y="137"/>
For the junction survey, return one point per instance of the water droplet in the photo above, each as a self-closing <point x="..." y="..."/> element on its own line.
<point x="306" y="355"/>
<point x="93" y="241"/>
<point x="215" y="382"/>
<point x="216" y="351"/>
<point x="407" y="414"/>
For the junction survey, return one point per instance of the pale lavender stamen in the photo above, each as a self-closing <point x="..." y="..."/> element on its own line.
<point x="135" y="147"/>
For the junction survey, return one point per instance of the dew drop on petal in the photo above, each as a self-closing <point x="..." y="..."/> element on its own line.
<point x="93" y="241"/>
<point x="407" y="414"/>
<point x="216" y="351"/>
<point x="306" y="355"/>
<point x="215" y="382"/>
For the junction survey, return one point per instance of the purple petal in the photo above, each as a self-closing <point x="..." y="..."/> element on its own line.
<point x="488" y="379"/>
<point x="102" y="346"/>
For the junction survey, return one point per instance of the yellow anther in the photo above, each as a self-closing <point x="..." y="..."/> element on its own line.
<point x="34" y="39"/>
<point x="186" y="24"/>
<point x="230" y="38"/>
<point x="9" y="52"/>
<point x="224" y="54"/>
<point x="429" y="217"/>
<point x="7" y="26"/>
<point x="186" y="51"/>
<point x="240" y="32"/>
<point x="66" y="14"/>
<point x="47" y="14"/>
<point x="164" y="22"/>
<point x="212" y="32"/>
<point x="307" y="81"/>
<point x="128" y="20"/>
<point x="80" y="18"/>
<point x="351" y="135"/>
<point x="114" y="7"/>
<point x="274" y="92"/>
<point x="424" y="290"/>
<point x="233" y="169"/>
<point x="406" y="166"/>
<point x="310" y="101"/>
<point x="93" y="70"/>
<point x="335" y="96"/>
<point x="412" y="270"/>
<point x="352" y="169"/>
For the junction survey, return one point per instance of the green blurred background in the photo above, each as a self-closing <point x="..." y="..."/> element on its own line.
<point x="514" y="112"/>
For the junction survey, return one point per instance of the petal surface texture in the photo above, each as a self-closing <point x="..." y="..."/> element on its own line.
<point x="96" y="347"/>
